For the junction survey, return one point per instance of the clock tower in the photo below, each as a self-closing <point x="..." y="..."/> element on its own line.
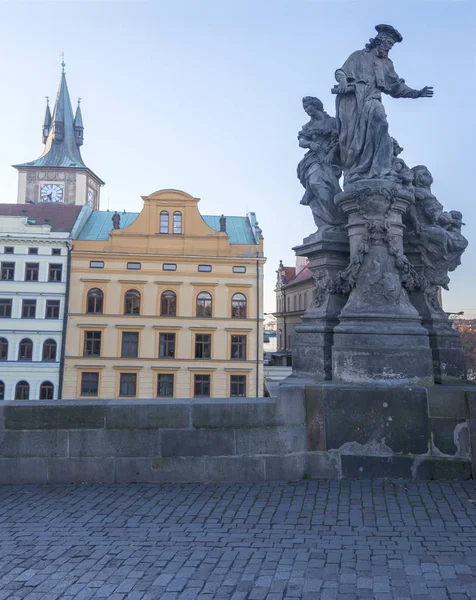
<point x="59" y="175"/>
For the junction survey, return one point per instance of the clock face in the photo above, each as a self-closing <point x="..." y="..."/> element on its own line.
<point x="91" y="198"/>
<point x="51" y="192"/>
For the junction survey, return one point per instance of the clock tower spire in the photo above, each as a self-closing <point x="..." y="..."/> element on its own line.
<point x="60" y="174"/>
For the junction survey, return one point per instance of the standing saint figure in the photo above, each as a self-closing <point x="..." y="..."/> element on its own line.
<point x="366" y="147"/>
<point x="319" y="171"/>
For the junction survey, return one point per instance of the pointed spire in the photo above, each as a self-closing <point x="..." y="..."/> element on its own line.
<point x="46" y="121"/>
<point x="78" y="125"/>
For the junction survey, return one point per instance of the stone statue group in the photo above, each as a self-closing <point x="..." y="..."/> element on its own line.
<point x="356" y="144"/>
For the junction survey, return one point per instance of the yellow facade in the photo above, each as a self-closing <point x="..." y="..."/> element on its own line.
<point x="99" y="350"/>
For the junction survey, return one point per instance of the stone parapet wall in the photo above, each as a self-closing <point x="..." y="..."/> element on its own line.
<point x="316" y="431"/>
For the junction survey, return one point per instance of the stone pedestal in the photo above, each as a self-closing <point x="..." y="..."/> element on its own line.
<point x="449" y="363"/>
<point x="379" y="337"/>
<point x="328" y="254"/>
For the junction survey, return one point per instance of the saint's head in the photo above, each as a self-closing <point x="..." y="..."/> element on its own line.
<point x="387" y="36"/>
<point x="313" y="106"/>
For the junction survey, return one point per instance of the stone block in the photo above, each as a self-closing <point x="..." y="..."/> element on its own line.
<point x="18" y="471"/>
<point x="290" y="407"/>
<point x="377" y="420"/>
<point x="147" y="414"/>
<point x="80" y="470"/>
<point x="285" y="468"/>
<point x="275" y="440"/>
<point x="450" y="436"/>
<point x="68" y="414"/>
<point x="198" y="442"/>
<point x="315" y="419"/>
<point x="234" y="412"/>
<point x="161" y="470"/>
<point x="356" y="466"/>
<point x="323" y="465"/>
<point x="114" y="442"/>
<point x="235" y="469"/>
<point x="34" y="444"/>
<point x="442" y="468"/>
<point x="447" y="401"/>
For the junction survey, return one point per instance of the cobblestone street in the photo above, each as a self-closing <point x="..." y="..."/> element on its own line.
<point x="305" y="540"/>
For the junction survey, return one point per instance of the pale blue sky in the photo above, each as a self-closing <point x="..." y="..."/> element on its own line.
<point x="205" y="96"/>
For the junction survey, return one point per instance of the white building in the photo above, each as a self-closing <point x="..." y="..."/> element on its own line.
<point x="34" y="259"/>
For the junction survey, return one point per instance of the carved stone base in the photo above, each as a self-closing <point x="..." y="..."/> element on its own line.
<point x="379" y="338"/>
<point x="328" y="253"/>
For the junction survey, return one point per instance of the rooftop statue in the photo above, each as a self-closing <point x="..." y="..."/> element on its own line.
<point x="319" y="171"/>
<point x="366" y="148"/>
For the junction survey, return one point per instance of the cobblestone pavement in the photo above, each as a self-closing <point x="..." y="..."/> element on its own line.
<point x="305" y="540"/>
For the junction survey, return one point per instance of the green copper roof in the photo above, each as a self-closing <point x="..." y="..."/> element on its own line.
<point x="99" y="225"/>
<point x="60" y="150"/>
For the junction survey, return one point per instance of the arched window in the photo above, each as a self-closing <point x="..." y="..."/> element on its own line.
<point x="168" y="304"/>
<point x="204" y="305"/>
<point x="3" y="348"/>
<point x="164" y="222"/>
<point x="47" y="390"/>
<point x="95" y="301"/>
<point x="49" y="350"/>
<point x="2" y="390"/>
<point x="238" y="306"/>
<point x="132" y="303"/>
<point x="22" y="390"/>
<point x="177" y="222"/>
<point x="25" y="350"/>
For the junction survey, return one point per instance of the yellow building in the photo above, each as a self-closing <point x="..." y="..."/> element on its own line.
<point x="165" y="303"/>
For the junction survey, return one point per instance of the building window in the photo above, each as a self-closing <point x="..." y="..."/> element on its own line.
<point x="238" y="347"/>
<point x="25" y="350"/>
<point x="89" y="384"/>
<point x="294" y="303"/>
<point x="47" y="390"/>
<point x="289" y="304"/>
<point x="28" y="309"/>
<point x="134" y="266"/>
<point x="204" y="304"/>
<point x="52" y="309"/>
<point x="165" y="385"/>
<point x="56" y="251"/>
<point x="55" y="272"/>
<point x="132" y="302"/>
<point x="22" y="390"/>
<point x="305" y="300"/>
<point x="168" y="304"/>
<point x="169" y="267"/>
<point x="205" y="268"/>
<point x="95" y="301"/>
<point x="3" y="348"/>
<point x="130" y="344"/>
<point x="8" y="271"/>
<point x="8" y="250"/>
<point x="201" y="386"/>
<point x="203" y="345"/>
<point x="238" y="306"/>
<point x="128" y="384"/>
<point x="238" y="386"/>
<point x="167" y="345"/>
<point x="32" y="250"/>
<point x="49" y="350"/>
<point x="31" y="271"/>
<point x="164" y="222"/>
<point x="2" y="390"/>
<point x="177" y="222"/>
<point x="299" y="302"/>
<point x="96" y="264"/>
<point x="92" y="343"/>
<point x="5" y="308"/>
<point x="239" y="269"/>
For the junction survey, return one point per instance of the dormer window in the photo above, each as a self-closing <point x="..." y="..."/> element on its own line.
<point x="164" y="222"/>
<point x="177" y="222"/>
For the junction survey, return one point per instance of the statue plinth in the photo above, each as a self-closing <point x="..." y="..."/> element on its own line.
<point x="328" y="254"/>
<point x="379" y="337"/>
